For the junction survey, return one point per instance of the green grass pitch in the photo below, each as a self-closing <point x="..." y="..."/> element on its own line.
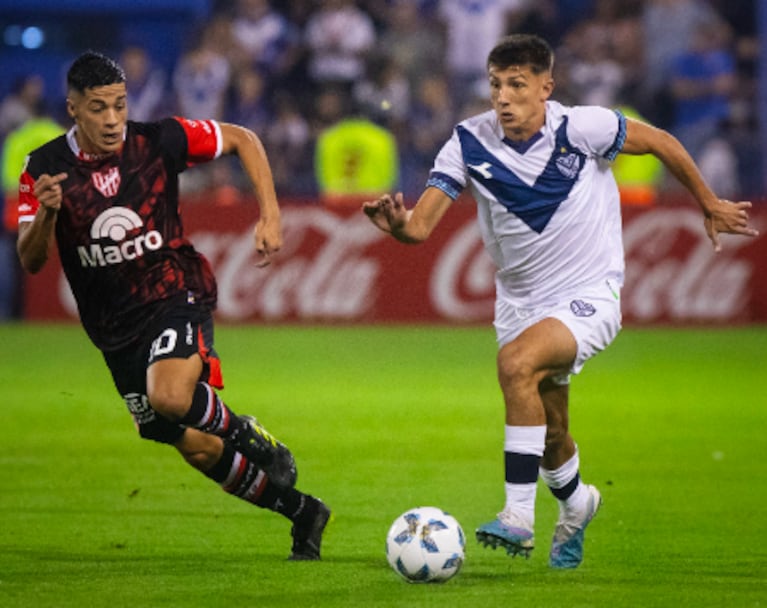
<point x="671" y="426"/>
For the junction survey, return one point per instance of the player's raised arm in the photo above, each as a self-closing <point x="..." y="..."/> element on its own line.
<point x="415" y="225"/>
<point x="721" y="216"/>
<point x="35" y="236"/>
<point x="248" y="147"/>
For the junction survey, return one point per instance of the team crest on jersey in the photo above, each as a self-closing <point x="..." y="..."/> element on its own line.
<point x="582" y="309"/>
<point x="567" y="164"/>
<point x="107" y="182"/>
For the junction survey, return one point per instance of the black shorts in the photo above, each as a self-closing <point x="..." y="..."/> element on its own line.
<point x="181" y="333"/>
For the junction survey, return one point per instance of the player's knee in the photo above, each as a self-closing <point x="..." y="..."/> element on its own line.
<point x="171" y="400"/>
<point x="513" y="369"/>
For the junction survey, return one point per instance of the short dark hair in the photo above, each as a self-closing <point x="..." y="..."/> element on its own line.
<point x="522" y="49"/>
<point x="93" y="69"/>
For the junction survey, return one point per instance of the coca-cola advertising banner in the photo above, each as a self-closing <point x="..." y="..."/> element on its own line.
<point x="335" y="266"/>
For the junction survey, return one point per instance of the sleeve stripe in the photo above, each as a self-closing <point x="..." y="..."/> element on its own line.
<point x="620" y="137"/>
<point x="445" y="183"/>
<point x="219" y="138"/>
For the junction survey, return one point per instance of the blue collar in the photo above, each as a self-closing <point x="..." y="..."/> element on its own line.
<point x="522" y="146"/>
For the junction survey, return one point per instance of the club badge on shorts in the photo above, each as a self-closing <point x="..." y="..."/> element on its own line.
<point x="582" y="309"/>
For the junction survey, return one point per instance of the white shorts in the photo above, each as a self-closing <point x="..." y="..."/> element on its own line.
<point x="592" y="314"/>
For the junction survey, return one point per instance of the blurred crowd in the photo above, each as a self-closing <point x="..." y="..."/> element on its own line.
<point x="291" y="69"/>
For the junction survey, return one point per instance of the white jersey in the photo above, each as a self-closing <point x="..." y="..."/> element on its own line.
<point x="549" y="208"/>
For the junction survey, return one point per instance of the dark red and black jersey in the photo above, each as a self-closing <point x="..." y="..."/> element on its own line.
<point x="119" y="231"/>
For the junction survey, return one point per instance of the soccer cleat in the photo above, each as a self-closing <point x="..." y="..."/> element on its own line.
<point x="567" y="546"/>
<point x="260" y="446"/>
<point x="509" y="532"/>
<point x="307" y="530"/>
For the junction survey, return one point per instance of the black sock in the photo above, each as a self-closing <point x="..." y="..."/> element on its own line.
<point x="567" y="490"/>
<point x="240" y="477"/>
<point x="286" y="501"/>
<point x="209" y="413"/>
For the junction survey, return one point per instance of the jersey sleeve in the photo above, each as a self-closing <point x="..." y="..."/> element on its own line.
<point x="28" y="203"/>
<point x="598" y="130"/>
<point x="204" y="140"/>
<point x="449" y="171"/>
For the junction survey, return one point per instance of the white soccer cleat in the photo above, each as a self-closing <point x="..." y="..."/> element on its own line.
<point x="567" y="546"/>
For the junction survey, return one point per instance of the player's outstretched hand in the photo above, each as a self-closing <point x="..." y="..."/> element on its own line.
<point x="728" y="217"/>
<point x="47" y="190"/>
<point x="268" y="235"/>
<point x="388" y="212"/>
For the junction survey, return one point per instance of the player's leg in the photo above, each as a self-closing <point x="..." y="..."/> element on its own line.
<point x="560" y="470"/>
<point x="182" y="373"/>
<point x="543" y="349"/>
<point x="240" y="477"/>
<point x="594" y="321"/>
<point x="212" y="455"/>
<point x="171" y="385"/>
<point x="560" y="446"/>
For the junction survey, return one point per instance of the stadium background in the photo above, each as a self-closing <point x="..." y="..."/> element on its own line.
<point x="273" y="67"/>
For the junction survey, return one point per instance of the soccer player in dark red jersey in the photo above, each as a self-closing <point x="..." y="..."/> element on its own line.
<point x="107" y="191"/>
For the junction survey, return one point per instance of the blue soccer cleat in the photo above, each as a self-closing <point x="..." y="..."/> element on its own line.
<point x="509" y="532"/>
<point x="567" y="546"/>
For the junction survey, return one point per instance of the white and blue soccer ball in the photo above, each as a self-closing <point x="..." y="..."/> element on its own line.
<point x="425" y="545"/>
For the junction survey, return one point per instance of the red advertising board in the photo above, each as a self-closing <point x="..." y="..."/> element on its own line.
<point x="336" y="267"/>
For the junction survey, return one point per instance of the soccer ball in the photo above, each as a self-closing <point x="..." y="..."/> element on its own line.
<point x="425" y="545"/>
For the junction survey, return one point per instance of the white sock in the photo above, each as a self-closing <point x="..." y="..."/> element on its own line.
<point x="523" y="448"/>
<point x="565" y="475"/>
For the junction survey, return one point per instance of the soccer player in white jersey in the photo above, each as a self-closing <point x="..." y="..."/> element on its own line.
<point x="549" y="213"/>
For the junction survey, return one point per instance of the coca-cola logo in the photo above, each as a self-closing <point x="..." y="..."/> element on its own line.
<point x="322" y="271"/>
<point x="462" y="285"/>
<point x="326" y="270"/>
<point x="673" y="273"/>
